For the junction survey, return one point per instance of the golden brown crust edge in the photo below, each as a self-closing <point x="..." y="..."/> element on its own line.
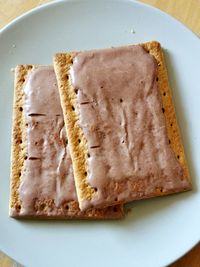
<point x="62" y="63"/>
<point x="78" y="143"/>
<point x="173" y="131"/>
<point x="69" y="210"/>
<point x="18" y="150"/>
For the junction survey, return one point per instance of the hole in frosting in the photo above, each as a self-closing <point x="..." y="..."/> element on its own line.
<point x="157" y="79"/>
<point x="79" y="140"/>
<point x="67" y="76"/>
<point x="178" y="157"/>
<point x="163" y="110"/>
<point x="85" y="173"/>
<point x="42" y="207"/>
<point x="94" y="147"/>
<point x="23" y="80"/>
<point x="95" y="189"/>
<point x="115" y="209"/>
<point x="18" y="207"/>
<point x="164" y="94"/>
<point x="169" y="141"/>
<point x="33" y="158"/>
<point x="159" y="64"/>
<point x="19" y="174"/>
<point x="67" y="207"/>
<point x="73" y="108"/>
<point x="116" y="199"/>
<point x="26" y="124"/>
<point x="20" y="141"/>
<point x="121" y="100"/>
<point x="88" y="155"/>
<point x="76" y="91"/>
<point x="159" y="189"/>
<point x="21" y="109"/>
<point x="171" y="124"/>
<point x="36" y="114"/>
<point x="25" y="157"/>
<point x="85" y="103"/>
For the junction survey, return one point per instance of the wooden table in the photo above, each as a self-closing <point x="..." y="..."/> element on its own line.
<point x="188" y="11"/>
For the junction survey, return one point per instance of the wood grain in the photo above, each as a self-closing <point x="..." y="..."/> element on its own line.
<point x="6" y="261"/>
<point x="191" y="259"/>
<point x="187" y="11"/>
<point x="10" y="9"/>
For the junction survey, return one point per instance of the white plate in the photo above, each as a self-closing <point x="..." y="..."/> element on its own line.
<point x="157" y="231"/>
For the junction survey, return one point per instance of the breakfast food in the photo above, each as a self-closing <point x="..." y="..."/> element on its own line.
<point x="121" y="125"/>
<point x="42" y="182"/>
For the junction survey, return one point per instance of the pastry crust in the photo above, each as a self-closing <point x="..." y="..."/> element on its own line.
<point x="173" y="131"/>
<point x="78" y="142"/>
<point x="44" y="208"/>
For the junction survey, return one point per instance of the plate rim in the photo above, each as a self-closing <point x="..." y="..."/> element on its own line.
<point x="57" y="2"/>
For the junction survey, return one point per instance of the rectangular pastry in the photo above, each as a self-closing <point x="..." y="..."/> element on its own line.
<point x="121" y="124"/>
<point x="42" y="182"/>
